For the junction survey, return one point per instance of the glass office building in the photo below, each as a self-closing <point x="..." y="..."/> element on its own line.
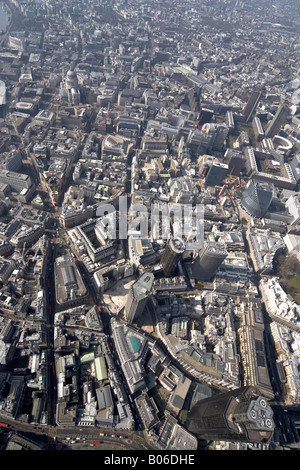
<point x="257" y="198"/>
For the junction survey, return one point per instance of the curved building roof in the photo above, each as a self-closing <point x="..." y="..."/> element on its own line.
<point x="257" y="198"/>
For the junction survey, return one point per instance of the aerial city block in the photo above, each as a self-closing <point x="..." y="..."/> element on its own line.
<point x="149" y="225"/>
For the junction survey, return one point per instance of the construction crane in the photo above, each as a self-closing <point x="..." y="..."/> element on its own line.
<point x="235" y="186"/>
<point x="225" y="184"/>
<point x="103" y="122"/>
<point x="106" y="119"/>
<point x="202" y="175"/>
<point x="115" y="123"/>
<point x="196" y="127"/>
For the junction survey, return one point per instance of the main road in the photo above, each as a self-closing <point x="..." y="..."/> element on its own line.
<point x="54" y="437"/>
<point x="15" y="20"/>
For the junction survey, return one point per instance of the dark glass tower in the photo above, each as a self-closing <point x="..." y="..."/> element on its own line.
<point x="251" y="105"/>
<point x="173" y="253"/>
<point x="257" y="198"/>
<point x="208" y="261"/>
<point x="240" y="415"/>
<point x="236" y="161"/>
<point x="216" y="174"/>
<point x="194" y="98"/>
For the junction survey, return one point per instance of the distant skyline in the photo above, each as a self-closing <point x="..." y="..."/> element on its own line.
<point x="3" y="18"/>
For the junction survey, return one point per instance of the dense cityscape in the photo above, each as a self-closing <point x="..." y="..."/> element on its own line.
<point x="149" y="225"/>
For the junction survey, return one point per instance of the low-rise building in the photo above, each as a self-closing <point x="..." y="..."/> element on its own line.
<point x="70" y="288"/>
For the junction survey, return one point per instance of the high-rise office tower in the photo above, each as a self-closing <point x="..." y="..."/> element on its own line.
<point x="198" y="142"/>
<point x="206" y="115"/>
<point x="278" y="120"/>
<point x="217" y="133"/>
<point x="257" y="198"/>
<point x="241" y="415"/>
<point x="208" y="261"/>
<point x="216" y="174"/>
<point x="194" y="98"/>
<point x="173" y="253"/>
<point x="251" y="105"/>
<point x="236" y="161"/>
<point x="138" y="296"/>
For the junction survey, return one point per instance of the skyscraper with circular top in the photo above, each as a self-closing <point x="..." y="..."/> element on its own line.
<point x="242" y="414"/>
<point x="173" y="253"/>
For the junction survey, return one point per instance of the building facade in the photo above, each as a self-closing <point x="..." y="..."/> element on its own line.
<point x="172" y="254"/>
<point x="138" y="296"/>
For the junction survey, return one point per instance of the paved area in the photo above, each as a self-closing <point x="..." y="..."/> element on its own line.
<point x="115" y="298"/>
